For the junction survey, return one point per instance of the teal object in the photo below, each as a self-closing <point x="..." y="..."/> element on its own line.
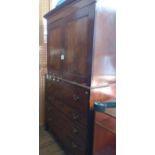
<point x="60" y="2"/>
<point x="101" y="106"/>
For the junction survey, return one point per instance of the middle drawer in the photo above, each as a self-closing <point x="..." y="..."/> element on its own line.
<point x="73" y="114"/>
<point x="66" y="128"/>
<point x="73" y="95"/>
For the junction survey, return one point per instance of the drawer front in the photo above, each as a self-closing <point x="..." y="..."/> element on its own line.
<point x="74" y="114"/>
<point x="57" y="117"/>
<point x="74" y="147"/>
<point x="71" y="134"/>
<point x="75" y="96"/>
<point x="67" y="115"/>
<point x="53" y="88"/>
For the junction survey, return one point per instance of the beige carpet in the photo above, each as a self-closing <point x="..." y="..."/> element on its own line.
<point x="47" y="145"/>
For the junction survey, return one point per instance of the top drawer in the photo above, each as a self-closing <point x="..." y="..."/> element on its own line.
<point x="75" y="96"/>
<point x="72" y="95"/>
<point x="53" y="88"/>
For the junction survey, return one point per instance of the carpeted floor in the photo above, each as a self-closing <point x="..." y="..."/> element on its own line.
<point x="47" y="145"/>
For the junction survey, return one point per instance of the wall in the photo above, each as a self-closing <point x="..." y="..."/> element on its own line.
<point x="44" y="7"/>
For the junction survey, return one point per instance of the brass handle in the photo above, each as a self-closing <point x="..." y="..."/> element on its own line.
<point x="48" y="77"/>
<point x="53" y="78"/>
<point x="75" y="116"/>
<point x="75" y="97"/>
<point x="58" y="79"/>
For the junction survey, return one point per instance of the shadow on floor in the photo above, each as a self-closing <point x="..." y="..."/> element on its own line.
<point x="47" y="145"/>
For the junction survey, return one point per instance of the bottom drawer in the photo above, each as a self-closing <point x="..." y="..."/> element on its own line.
<point x="73" y="147"/>
<point x="72" y="135"/>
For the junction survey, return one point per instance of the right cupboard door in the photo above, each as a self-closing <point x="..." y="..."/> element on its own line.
<point x="77" y="50"/>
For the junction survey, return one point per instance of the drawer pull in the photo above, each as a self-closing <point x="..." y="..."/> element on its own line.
<point x="75" y="116"/>
<point x="75" y="97"/>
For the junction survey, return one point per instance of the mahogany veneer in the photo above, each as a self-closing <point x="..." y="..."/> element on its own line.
<point x="81" y="70"/>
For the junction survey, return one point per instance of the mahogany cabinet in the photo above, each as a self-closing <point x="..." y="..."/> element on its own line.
<point x="81" y="55"/>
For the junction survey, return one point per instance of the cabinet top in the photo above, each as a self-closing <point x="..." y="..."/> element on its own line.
<point x="65" y="5"/>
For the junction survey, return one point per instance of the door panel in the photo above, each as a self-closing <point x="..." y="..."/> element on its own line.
<point x="76" y="49"/>
<point x="54" y="50"/>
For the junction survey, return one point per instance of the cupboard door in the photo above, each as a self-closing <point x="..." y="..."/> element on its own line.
<point x="76" y="50"/>
<point x="54" y="50"/>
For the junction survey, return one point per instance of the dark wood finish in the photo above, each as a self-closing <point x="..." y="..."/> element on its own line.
<point x="54" y="49"/>
<point x="81" y="70"/>
<point x="76" y="43"/>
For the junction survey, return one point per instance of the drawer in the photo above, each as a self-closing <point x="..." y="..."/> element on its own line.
<point x="75" y="148"/>
<point x="74" y="114"/>
<point x="54" y="89"/>
<point x="56" y="118"/>
<point x="73" y="137"/>
<point x="75" y="96"/>
<point x="68" y="131"/>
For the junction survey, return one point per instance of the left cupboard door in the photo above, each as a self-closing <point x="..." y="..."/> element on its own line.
<point x="54" y="49"/>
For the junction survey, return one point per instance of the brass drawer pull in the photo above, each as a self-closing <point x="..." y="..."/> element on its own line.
<point x="75" y="97"/>
<point x="75" y="116"/>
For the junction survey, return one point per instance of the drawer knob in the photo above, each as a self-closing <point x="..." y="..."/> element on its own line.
<point x="75" y="116"/>
<point x="75" y="97"/>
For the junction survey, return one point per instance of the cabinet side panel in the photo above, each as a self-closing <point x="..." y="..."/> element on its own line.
<point x="104" y="58"/>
